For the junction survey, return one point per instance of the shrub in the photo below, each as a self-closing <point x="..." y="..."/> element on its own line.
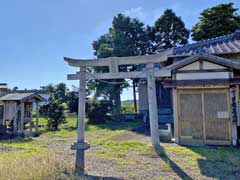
<point x="127" y="108"/>
<point x="97" y="110"/>
<point x="54" y="112"/>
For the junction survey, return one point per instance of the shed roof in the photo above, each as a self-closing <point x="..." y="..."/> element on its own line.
<point x="220" y="45"/>
<point x="3" y="86"/>
<point x="21" y="97"/>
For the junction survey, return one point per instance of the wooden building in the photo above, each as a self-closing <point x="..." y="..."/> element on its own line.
<point x="17" y="111"/>
<point x="227" y="47"/>
<point x="205" y="100"/>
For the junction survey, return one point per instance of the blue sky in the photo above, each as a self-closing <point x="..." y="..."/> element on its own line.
<point x="36" y="34"/>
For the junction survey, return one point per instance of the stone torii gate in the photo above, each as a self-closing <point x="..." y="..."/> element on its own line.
<point x="150" y="73"/>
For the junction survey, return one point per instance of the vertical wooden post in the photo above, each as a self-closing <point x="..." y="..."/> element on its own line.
<point x="37" y="117"/>
<point x="134" y="96"/>
<point x="4" y="115"/>
<point x="175" y="113"/>
<point x="15" y="118"/>
<point x="22" y="118"/>
<point x="153" y="112"/>
<point x="237" y="101"/>
<point x="234" y="106"/>
<point x="80" y="146"/>
<point x="31" y="120"/>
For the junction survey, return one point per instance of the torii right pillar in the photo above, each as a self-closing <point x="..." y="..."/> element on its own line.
<point x="153" y="112"/>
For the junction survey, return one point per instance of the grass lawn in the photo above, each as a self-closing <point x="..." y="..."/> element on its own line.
<point x="115" y="152"/>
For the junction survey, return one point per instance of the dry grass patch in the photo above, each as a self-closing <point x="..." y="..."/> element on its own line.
<point x="22" y="167"/>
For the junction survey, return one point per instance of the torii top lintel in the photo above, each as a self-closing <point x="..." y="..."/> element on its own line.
<point x="145" y="59"/>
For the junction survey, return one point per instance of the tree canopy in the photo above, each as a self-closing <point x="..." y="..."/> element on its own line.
<point x="169" y="31"/>
<point x="126" y="37"/>
<point x="216" y="21"/>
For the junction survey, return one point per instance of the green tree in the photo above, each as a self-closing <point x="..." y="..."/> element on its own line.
<point x="59" y="91"/>
<point x="169" y="31"/>
<point x="54" y="114"/>
<point x="72" y="100"/>
<point x="126" y="37"/>
<point x="216" y="21"/>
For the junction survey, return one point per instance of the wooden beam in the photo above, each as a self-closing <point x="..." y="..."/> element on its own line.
<point x="202" y="71"/>
<point x="120" y="75"/>
<point x="131" y="60"/>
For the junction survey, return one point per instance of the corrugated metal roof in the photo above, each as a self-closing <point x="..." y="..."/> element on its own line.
<point x="219" y="45"/>
<point x="16" y="96"/>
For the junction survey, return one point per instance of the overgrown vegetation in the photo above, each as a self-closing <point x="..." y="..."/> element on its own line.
<point x="127" y="108"/>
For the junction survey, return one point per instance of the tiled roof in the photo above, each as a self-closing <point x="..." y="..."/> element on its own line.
<point x="219" y="45"/>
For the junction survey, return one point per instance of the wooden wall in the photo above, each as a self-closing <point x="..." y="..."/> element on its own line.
<point x="10" y="109"/>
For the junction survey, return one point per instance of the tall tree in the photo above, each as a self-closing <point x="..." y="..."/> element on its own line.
<point x="216" y="21"/>
<point x="169" y="31"/>
<point x="126" y="37"/>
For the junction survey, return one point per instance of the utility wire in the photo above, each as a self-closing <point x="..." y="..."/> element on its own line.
<point x="108" y="82"/>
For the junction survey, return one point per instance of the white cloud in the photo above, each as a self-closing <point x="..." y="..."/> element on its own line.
<point x="137" y="12"/>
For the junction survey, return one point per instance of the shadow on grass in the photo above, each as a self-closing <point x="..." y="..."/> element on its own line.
<point x="90" y="177"/>
<point x="116" y="125"/>
<point x="16" y="140"/>
<point x="181" y="173"/>
<point x="218" y="162"/>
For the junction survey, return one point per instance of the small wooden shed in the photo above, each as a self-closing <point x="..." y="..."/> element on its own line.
<point x="17" y="111"/>
<point x="205" y="100"/>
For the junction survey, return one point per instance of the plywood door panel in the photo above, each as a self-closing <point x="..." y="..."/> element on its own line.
<point x="190" y="118"/>
<point x="10" y="109"/>
<point x="217" y="118"/>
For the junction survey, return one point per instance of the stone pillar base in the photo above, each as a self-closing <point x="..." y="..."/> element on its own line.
<point x="80" y="145"/>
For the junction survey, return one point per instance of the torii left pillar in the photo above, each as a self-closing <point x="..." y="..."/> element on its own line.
<point x="81" y="145"/>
